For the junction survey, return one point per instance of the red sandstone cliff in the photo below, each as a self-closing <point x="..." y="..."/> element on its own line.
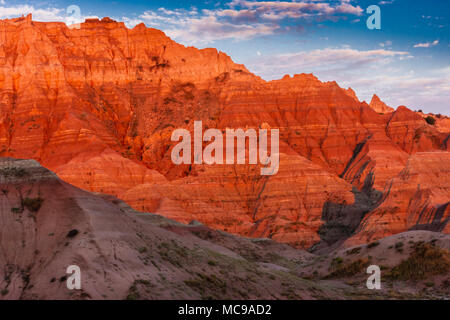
<point x="98" y="104"/>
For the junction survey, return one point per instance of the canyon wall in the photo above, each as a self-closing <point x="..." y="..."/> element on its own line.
<point x="98" y="104"/>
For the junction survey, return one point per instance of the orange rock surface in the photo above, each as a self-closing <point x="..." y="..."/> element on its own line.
<point x="379" y="106"/>
<point x="98" y="104"/>
<point x="417" y="198"/>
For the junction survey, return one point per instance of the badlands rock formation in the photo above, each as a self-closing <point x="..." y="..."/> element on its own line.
<point x="47" y="225"/>
<point x="98" y="104"/>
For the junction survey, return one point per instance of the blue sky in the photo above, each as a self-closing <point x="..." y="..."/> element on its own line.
<point x="406" y="62"/>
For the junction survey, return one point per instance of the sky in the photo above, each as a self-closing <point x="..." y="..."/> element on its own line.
<point x="405" y="62"/>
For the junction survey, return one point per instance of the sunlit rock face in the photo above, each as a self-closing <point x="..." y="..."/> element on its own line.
<point x="379" y="106"/>
<point x="98" y="104"/>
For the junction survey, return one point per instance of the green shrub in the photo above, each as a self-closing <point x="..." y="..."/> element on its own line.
<point x="144" y="282"/>
<point x="373" y="244"/>
<point x="207" y="285"/>
<point x="133" y="296"/>
<point x="212" y="263"/>
<point x="424" y="261"/>
<point x="133" y="292"/>
<point x="336" y="261"/>
<point x="142" y="249"/>
<point x="353" y="251"/>
<point x="399" y="246"/>
<point x="430" y="120"/>
<point x="349" y="269"/>
<point x="33" y="204"/>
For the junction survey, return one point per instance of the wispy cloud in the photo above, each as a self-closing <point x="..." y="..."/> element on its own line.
<point x="427" y="44"/>
<point x="387" y="43"/>
<point x="330" y="61"/>
<point x="367" y="72"/>
<point x="431" y="90"/>
<point x="237" y="20"/>
<point x="42" y="14"/>
<point x="193" y="27"/>
<point x="47" y="14"/>
<point x="276" y="10"/>
<point x="241" y="19"/>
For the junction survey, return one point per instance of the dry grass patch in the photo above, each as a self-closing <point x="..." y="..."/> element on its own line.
<point x="424" y="261"/>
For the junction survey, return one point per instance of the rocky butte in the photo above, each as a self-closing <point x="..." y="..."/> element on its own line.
<point x="98" y="104"/>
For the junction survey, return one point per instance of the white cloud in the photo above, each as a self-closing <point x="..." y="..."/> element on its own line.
<point x="330" y="61"/>
<point x="430" y="92"/>
<point x="367" y="72"/>
<point x="192" y="27"/>
<point x="240" y="19"/>
<point x="48" y="14"/>
<point x="43" y="14"/>
<point x="296" y="9"/>
<point x="427" y="44"/>
<point x="131" y="22"/>
<point x="387" y="43"/>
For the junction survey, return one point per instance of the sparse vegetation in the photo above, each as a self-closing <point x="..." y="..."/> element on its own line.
<point x="424" y="261"/>
<point x="146" y="283"/>
<point x="349" y="269"/>
<point x="373" y="244"/>
<point x="173" y="253"/>
<point x="207" y="284"/>
<point x="354" y="251"/>
<point x="14" y="172"/>
<point x="72" y="233"/>
<point x="133" y="292"/>
<point x="212" y="263"/>
<point x="430" y="120"/>
<point x="33" y="204"/>
<point x="133" y="296"/>
<point x="336" y="261"/>
<point x="159" y="63"/>
<point x="399" y="246"/>
<point x="142" y="249"/>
